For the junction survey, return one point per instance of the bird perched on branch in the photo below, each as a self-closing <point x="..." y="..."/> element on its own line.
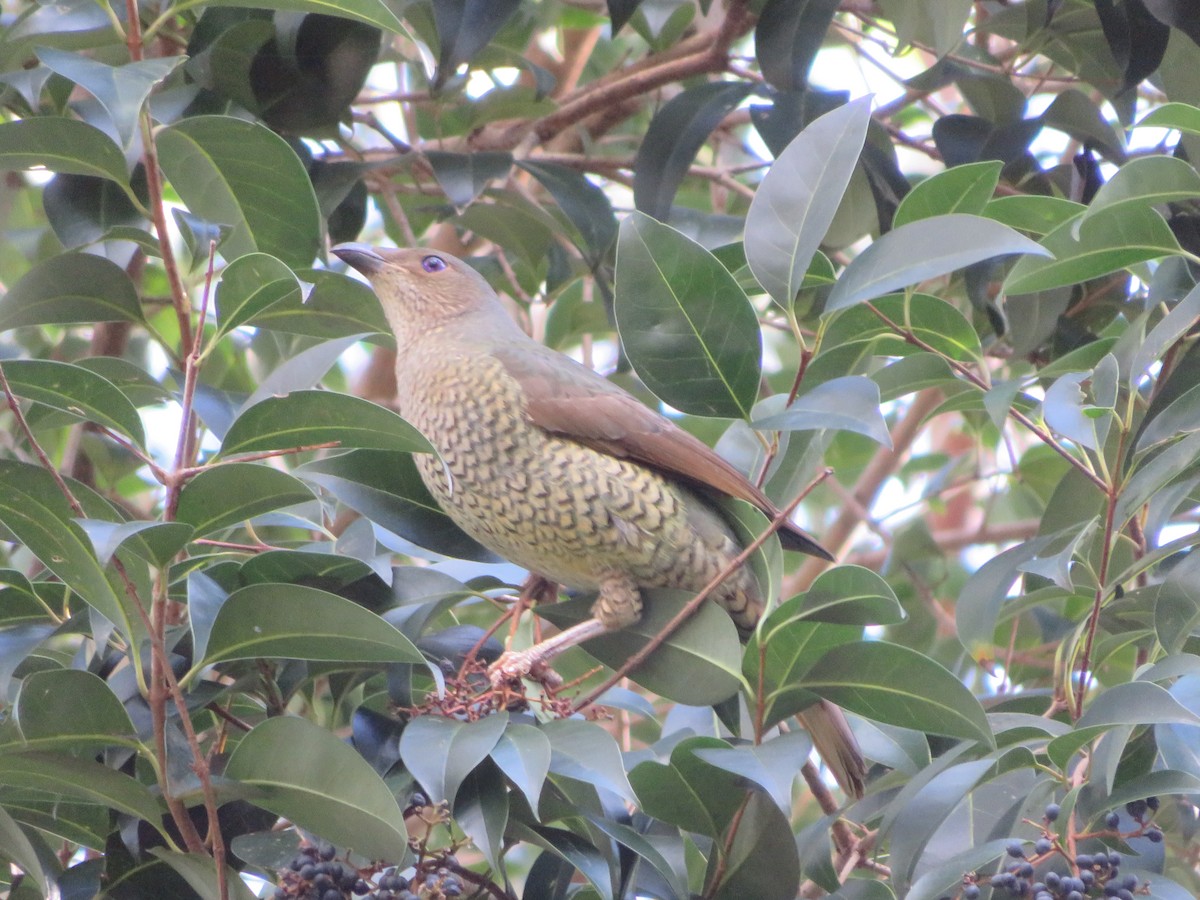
<point x="560" y="471"/>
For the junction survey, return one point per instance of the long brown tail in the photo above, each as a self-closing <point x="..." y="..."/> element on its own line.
<point x="837" y="746"/>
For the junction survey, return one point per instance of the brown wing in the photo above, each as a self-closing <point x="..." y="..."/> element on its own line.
<point x="569" y="399"/>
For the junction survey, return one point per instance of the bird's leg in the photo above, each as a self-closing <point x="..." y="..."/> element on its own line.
<point x="619" y="605"/>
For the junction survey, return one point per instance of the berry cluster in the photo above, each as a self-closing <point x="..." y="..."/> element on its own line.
<point x="314" y="874"/>
<point x="1095" y="875"/>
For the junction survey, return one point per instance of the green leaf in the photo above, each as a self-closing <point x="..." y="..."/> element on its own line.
<point x="586" y="752"/>
<point x="61" y="145"/>
<point x="304" y="418"/>
<point x="689" y="792"/>
<point x="924" y="249"/>
<point x="293" y="621"/>
<point x="63" y="774"/>
<point x="463" y="176"/>
<point x="326" y="787"/>
<point x="1180" y="116"/>
<point x="1173" y="326"/>
<point x="373" y="12"/>
<point x="386" y="487"/>
<point x="572" y="849"/>
<point x="851" y="595"/>
<point x="586" y="205"/>
<point x="788" y="646"/>
<point x="440" y="753"/>
<point x="1037" y="215"/>
<point x="69" y="709"/>
<point x="225" y="495"/>
<point x="697" y="665"/>
<point x="18" y="849"/>
<point x="762" y="860"/>
<point x="899" y="686"/>
<point x="239" y="173"/>
<point x="523" y="754"/>
<point x="930" y="319"/>
<point x="76" y="391"/>
<point x="962" y="189"/>
<point x="198" y="870"/>
<point x="686" y="324"/>
<point x="121" y="90"/>
<point x="799" y="196"/>
<point x="1107" y="242"/>
<point x="1149" y="181"/>
<point x="336" y="307"/>
<point x="772" y="765"/>
<point x="250" y="285"/>
<point x="73" y="288"/>
<point x="674" y="137"/>
<point x="34" y="510"/>
<point x="850" y="403"/>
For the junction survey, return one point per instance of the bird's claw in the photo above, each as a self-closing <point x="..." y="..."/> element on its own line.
<point x="513" y="665"/>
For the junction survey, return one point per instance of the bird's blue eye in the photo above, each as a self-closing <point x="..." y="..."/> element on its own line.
<point x="433" y="263"/>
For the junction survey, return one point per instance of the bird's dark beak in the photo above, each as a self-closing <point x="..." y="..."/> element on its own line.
<point x="360" y="256"/>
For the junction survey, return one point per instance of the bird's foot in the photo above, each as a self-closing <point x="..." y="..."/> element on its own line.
<point x="513" y="665"/>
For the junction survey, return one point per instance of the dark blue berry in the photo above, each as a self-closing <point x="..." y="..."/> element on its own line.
<point x="1084" y="861"/>
<point x="1074" y="895"/>
<point x="361" y="887"/>
<point x="1154" y="836"/>
<point x="1087" y="877"/>
<point x="1052" y="811"/>
<point x="1016" y="849"/>
<point x="1112" y="820"/>
<point x="333" y="894"/>
<point x="971" y="892"/>
<point x="326" y="852"/>
<point x="1025" y="870"/>
<point x="1053" y="881"/>
<point x="308" y="871"/>
<point x="1043" y="845"/>
<point x="1152" y="802"/>
<point x="1136" y="809"/>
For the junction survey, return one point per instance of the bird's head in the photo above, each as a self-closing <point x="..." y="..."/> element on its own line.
<point x="423" y="290"/>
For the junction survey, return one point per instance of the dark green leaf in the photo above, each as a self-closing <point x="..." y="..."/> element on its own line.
<point x="61" y="145"/>
<point x="304" y="418"/>
<point x="891" y="683"/>
<point x="787" y="36"/>
<point x="851" y="595"/>
<point x="251" y="284"/>
<point x="69" y="289"/>
<point x="684" y="321"/>
<point x="326" y="787"/>
<point x="675" y="135"/>
<point x="440" y="752"/>
<point x="373" y="12"/>
<point x="523" y="754"/>
<point x="1107" y="242"/>
<point x="298" y="622"/>
<point x="689" y="792"/>
<point x="76" y="391"/>
<point x="762" y="859"/>
<point x="386" y="488"/>
<point x="586" y="752"/>
<point x="198" y="871"/>
<point x="962" y="189"/>
<point x="68" y="709"/>
<point x="464" y="27"/>
<point x="463" y="176"/>
<point x="225" y="495"/>
<point x="60" y="773"/>
<point x="240" y="174"/>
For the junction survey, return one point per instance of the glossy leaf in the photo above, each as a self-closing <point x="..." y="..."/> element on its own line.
<point x="850" y="403"/>
<point x="440" y="753"/>
<point x="523" y="754"/>
<point x="962" y="189"/>
<point x="689" y="792"/>
<point x="1149" y="181"/>
<point x="61" y="145"/>
<point x="326" y="787"/>
<point x="76" y="391"/>
<point x="797" y="200"/>
<point x="925" y="249"/>
<point x="385" y="487"/>
<point x="226" y="495"/>
<point x="298" y="622"/>
<point x="249" y="286"/>
<point x="891" y="683"/>
<point x="1106" y="242"/>
<point x="586" y="752"/>
<point x="304" y="418"/>
<point x="762" y="859"/>
<point x="674" y="136"/>
<point x="688" y="328"/>
<point x="68" y="709"/>
<point x="69" y="289"/>
<point x="121" y="90"/>
<point x="61" y="773"/>
<point x="240" y="174"/>
<point x="851" y="595"/>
